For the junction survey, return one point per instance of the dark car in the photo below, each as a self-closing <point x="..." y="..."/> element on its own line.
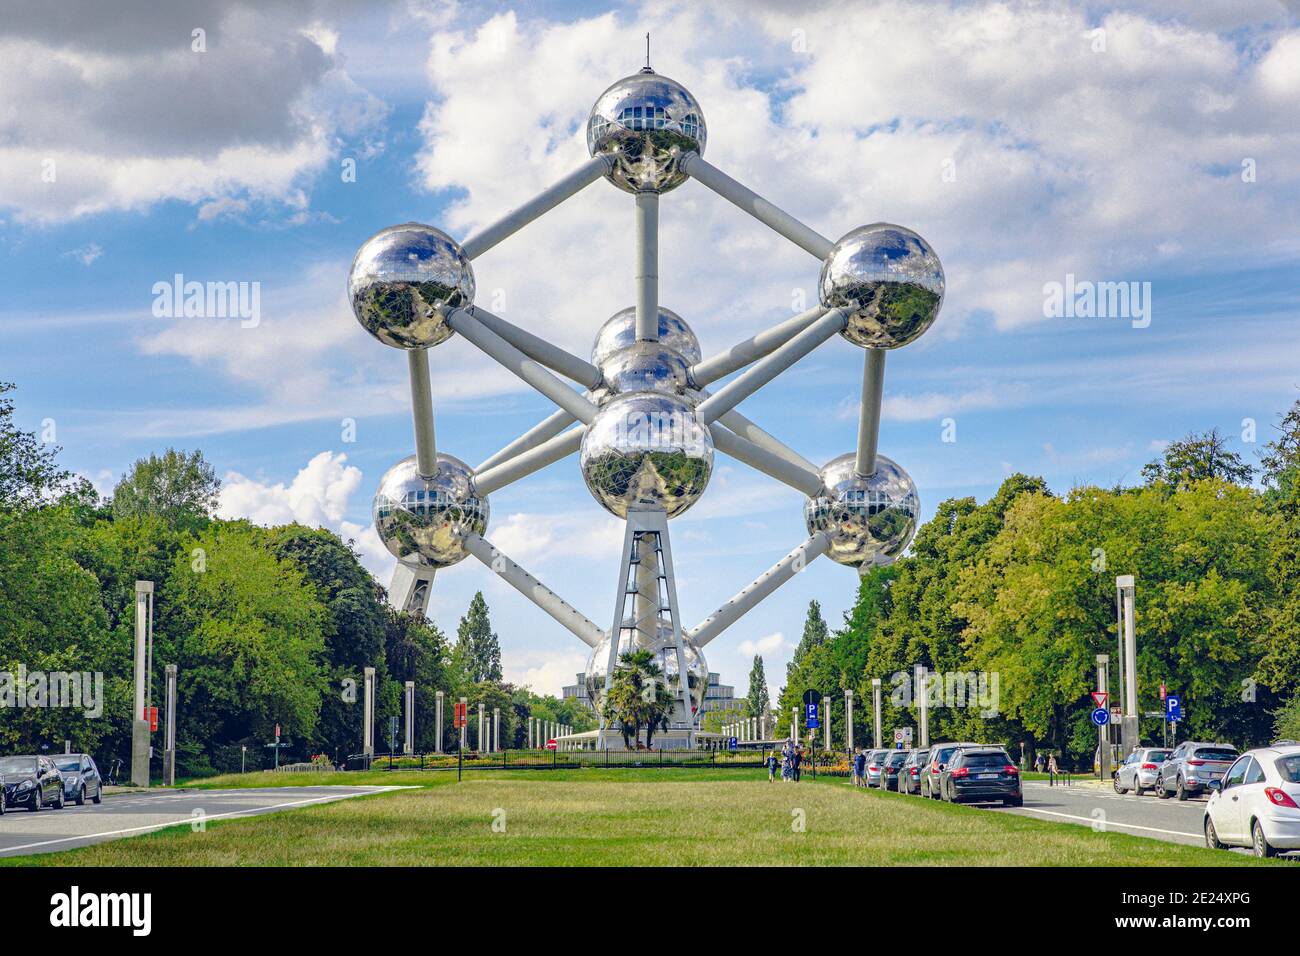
<point x="81" y="778"/>
<point x="890" y="768"/>
<point x="981" y="775"/>
<point x="940" y="754"/>
<point x="32" y="782"/>
<point x="909" y="778"/>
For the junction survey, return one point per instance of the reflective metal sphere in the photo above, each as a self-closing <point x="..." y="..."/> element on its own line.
<point x="421" y="521"/>
<point x="643" y="367"/>
<point x="870" y="520"/>
<point x="403" y="282"/>
<point x="646" y="450"/>
<point x="888" y="280"/>
<point x="647" y="123"/>
<point x="619" y="331"/>
<point x="665" y="652"/>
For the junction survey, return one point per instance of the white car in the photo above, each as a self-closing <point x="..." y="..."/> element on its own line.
<point x="1257" y="803"/>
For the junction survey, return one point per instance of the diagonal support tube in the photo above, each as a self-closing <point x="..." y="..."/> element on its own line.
<point x="873" y="391"/>
<point x="806" y="480"/>
<point x="527" y="585"/>
<point x="547" y="428"/>
<point x="525" y="463"/>
<point x="761" y="588"/>
<point x="743" y="427"/>
<point x="521" y="365"/>
<point x="540" y="350"/>
<point x="753" y="349"/>
<point x="544" y="202"/>
<point x="647" y="267"/>
<point x="769" y="215"/>
<point x="426" y="449"/>
<point x="758" y="375"/>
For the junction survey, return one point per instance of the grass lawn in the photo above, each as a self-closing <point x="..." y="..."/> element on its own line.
<point x="665" y="817"/>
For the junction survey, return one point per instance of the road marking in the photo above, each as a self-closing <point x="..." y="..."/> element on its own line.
<point x="1106" y="824"/>
<point x="185" y="821"/>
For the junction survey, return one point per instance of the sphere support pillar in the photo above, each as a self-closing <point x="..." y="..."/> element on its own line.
<point x="873" y="392"/>
<point x="647" y="267"/>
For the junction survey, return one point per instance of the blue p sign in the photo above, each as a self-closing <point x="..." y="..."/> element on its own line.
<point x="1173" y="707"/>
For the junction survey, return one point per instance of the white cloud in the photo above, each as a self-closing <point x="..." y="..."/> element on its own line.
<point x="86" y="254"/>
<point x="546" y="672"/>
<point x="766" y="646"/>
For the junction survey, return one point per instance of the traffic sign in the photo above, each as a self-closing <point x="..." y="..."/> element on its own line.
<point x="277" y="731"/>
<point x="1174" y="707"/>
<point x="1099" y="698"/>
<point x="550" y="744"/>
<point x="811" y="717"/>
<point x="1101" y="717"/>
<point x="459" y="718"/>
<point x="1164" y="691"/>
<point x="732" y="743"/>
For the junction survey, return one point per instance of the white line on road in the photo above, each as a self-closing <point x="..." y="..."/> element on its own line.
<point x="186" y="821"/>
<point x="1107" y="824"/>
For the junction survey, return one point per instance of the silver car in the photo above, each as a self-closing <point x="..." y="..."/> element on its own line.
<point x="909" y="778"/>
<point x="875" y="763"/>
<point x="1138" y="772"/>
<point x="1191" y="766"/>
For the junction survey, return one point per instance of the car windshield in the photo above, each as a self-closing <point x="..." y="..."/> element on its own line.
<point x="1215" y="753"/>
<point x="985" y="760"/>
<point x="943" y="753"/>
<point x="69" y="764"/>
<point x="17" y="764"/>
<point x="896" y="758"/>
<point x="1289" y="768"/>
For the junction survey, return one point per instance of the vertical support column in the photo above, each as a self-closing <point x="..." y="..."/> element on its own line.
<point x="647" y="267"/>
<point x="169" y="742"/>
<point x="848" y="721"/>
<point x="437" y="722"/>
<point x="875" y="701"/>
<point x="482" y="722"/>
<point x="828" y="723"/>
<point x="368" y="713"/>
<point x="1129" y="734"/>
<point x="794" y="724"/>
<point x="873" y="391"/>
<point x="923" y="704"/>
<point x="465" y="723"/>
<point x="496" y="728"/>
<point x="408" y="740"/>
<point x="426" y="452"/>
<point x="139" y="723"/>
<point x="1103" y="742"/>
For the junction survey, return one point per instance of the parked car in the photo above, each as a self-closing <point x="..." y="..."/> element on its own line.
<point x="909" y="778"/>
<point x="940" y="755"/>
<point x="1138" y="772"/>
<point x="875" y="762"/>
<point x="890" y="768"/>
<point x="1191" y="766"/>
<point x="81" y="778"/>
<point x="1257" y="803"/>
<point x="32" y="782"/>
<point x="981" y="775"/>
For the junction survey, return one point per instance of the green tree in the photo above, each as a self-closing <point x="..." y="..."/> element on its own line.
<point x="178" y="487"/>
<point x="815" y="633"/>
<point x="477" y="644"/>
<point x="638" y="697"/>
<point x="29" y="474"/>
<point x="1287" y="725"/>
<point x="1198" y="457"/>
<point x="1280" y="460"/>
<point x="759" y="703"/>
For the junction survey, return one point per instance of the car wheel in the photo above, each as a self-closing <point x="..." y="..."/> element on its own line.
<point x="81" y="796"/>
<point x="1260" y="843"/>
<point x="925" y="788"/>
<point x="1014" y="802"/>
<point x="1161" y="792"/>
<point x="1137" y="786"/>
<point x="2" y="801"/>
<point x="1182" y="791"/>
<point x="1118" y="788"/>
<point x="62" y="799"/>
<point x="36" y="801"/>
<point x="99" y="793"/>
<point x="1212" y="836"/>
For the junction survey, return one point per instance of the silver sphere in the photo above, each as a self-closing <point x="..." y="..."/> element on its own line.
<point x="647" y="123"/>
<point x="888" y="280"/>
<point x="665" y="654"/>
<point x="646" y="451"/>
<point x="619" y="331"/>
<point x="403" y="282"/>
<point x="422" y="521"/>
<point x="643" y="367"/>
<point x="870" y="520"/>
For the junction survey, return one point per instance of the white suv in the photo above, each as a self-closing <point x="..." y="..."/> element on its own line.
<point x="1257" y="803"/>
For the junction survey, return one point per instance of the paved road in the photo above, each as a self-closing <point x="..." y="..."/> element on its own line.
<point x="128" y="814"/>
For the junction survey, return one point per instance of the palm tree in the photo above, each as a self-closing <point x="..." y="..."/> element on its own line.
<point x="638" y="697"/>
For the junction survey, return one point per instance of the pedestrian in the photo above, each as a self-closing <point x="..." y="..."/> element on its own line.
<point x="796" y="759"/>
<point x="787" y="774"/>
<point x="1039" y="762"/>
<point x="860" y="768"/>
<point x="771" y="766"/>
<point x="1052" y="770"/>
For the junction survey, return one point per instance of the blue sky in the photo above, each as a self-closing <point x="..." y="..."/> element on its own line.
<point x="1027" y="142"/>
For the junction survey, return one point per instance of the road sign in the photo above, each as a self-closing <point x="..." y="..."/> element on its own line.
<point x="277" y="731"/>
<point x="459" y="719"/>
<point x="1164" y="691"/>
<point x="551" y="744"/>
<point x="151" y="713"/>
<point x="1099" y="698"/>
<point x="732" y="743"/>
<point x="811" y="718"/>
<point x="1101" y="717"/>
<point x="1174" y="707"/>
<point x="903" y="735"/>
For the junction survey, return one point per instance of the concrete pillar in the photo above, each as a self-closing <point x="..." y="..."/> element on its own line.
<point x="496" y="728"/>
<point x="848" y="720"/>
<point x="408" y="742"/>
<point x="875" y="700"/>
<point x="794" y="723"/>
<point x="368" y="712"/>
<point x="1103" y="735"/>
<point x="464" y="727"/>
<point x="922" y="682"/>
<point x="1129" y="728"/>
<point x="482" y="723"/>
<point x="437" y="721"/>
<point x="140" y="745"/>
<point x="827" y="718"/>
<point x="169" y="745"/>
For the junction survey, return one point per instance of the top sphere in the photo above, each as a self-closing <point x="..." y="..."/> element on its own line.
<point x="647" y="123"/>
<point x="619" y="331"/>
<point x="889" y="282"/>
<point x="404" y="280"/>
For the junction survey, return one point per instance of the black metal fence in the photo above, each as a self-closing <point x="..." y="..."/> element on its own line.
<point x="557" y="760"/>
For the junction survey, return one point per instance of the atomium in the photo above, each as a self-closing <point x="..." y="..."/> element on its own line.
<point x="871" y="519"/>
<point x="422" y="521"/>
<point x="403" y="282"/>
<point x="643" y="367"/>
<point x="887" y="280"/>
<point x="647" y="123"/>
<point x="664" y="650"/>
<point x="619" y="331"/>
<point x="646" y="451"/>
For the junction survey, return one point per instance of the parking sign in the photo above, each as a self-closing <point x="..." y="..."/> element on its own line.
<point x="1173" y="707"/>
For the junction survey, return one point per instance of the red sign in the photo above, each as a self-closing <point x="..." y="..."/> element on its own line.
<point x="1099" y="697"/>
<point x="550" y="744"/>
<point x="1164" y="691"/>
<point x="460" y="720"/>
<point x="277" y="731"/>
<point x="151" y="715"/>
